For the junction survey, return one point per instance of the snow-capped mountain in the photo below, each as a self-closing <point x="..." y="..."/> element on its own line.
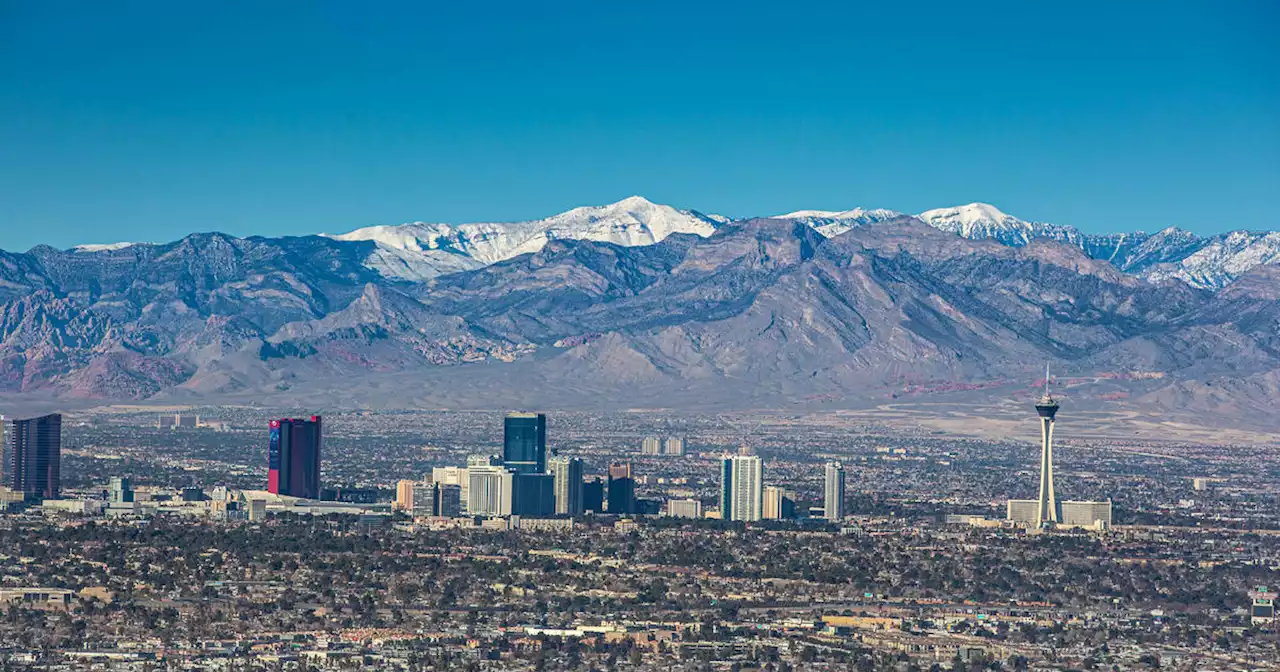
<point x="833" y="223"/>
<point x="982" y="221"/>
<point x="420" y="251"/>
<point x="1217" y="261"/>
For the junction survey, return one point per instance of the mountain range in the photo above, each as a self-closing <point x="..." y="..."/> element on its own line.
<point x="641" y="304"/>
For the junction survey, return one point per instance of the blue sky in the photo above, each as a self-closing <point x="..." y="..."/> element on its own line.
<point x="151" y="120"/>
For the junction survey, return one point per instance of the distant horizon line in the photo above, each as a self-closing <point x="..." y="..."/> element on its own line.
<point x="804" y="213"/>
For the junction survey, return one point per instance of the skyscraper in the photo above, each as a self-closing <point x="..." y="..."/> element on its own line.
<point x="622" y="489"/>
<point x="119" y="490"/>
<point x="533" y="495"/>
<point x="726" y="488"/>
<point x="651" y="445"/>
<point x="833" y="492"/>
<point x="568" y="485"/>
<point x="593" y="495"/>
<point x="742" y="488"/>
<point x="490" y="492"/>
<point x="1047" y="509"/>
<point x="446" y="500"/>
<point x="293" y="466"/>
<point x="779" y="504"/>
<point x="524" y="442"/>
<point x="33" y="456"/>
<point x="673" y="446"/>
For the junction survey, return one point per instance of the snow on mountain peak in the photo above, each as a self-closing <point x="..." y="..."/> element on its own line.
<point x="833" y="223"/>
<point x="969" y="216"/>
<point x="105" y="247"/>
<point x="419" y="251"/>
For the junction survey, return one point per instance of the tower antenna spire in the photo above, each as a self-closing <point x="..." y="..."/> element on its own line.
<point x="1046" y="379"/>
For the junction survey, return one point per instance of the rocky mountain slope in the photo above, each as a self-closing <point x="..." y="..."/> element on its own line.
<point x="647" y="304"/>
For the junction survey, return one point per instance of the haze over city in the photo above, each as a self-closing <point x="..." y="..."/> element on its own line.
<point x="592" y="337"/>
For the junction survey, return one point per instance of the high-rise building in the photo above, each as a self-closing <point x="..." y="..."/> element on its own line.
<point x="779" y="504"/>
<point x="833" y="492"/>
<point x="1086" y="514"/>
<point x="742" y="488"/>
<point x="651" y="445"/>
<point x="453" y="476"/>
<point x="33" y="456"/>
<point x="593" y="495"/>
<point x="524" y="442"/>
<point x="726" y="488"/>
<point x="446" y="500"/>
<point x="484" y="460"/>
<point x="1047" y="511"/>
<point x="294" y="458"/>
<point x="490" y="492"/>
<point x="404" y="495"/>
<point x="567" y="472"/>
<point x="119" y="490"/>
<point x="533" y="495"/>
<point x="622" y="489"/>
<point x="673" y="446"/>
<point x="684" y="508"/>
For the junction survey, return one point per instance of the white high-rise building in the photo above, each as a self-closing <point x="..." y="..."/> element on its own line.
<point x="652" y="445"/>
<point x="1087" y="514"/>
<point x="490" y="491"/>
<point x="833" y="492"/>
<point x="743" y="488"/>
<point x="673" y="446"/>
<point x="684" y="508"/>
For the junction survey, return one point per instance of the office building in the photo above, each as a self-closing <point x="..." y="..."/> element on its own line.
<point x="1086" y="514"/>
<point x="490" y="491"/>
<point x="674" y="446"/>
<point x="453" y="476"/>
<point x="651" y="445"/>
<point x="622" y="489"/>
<point x="742" y="488"/>
<point x="446" y="500"/>
<point x="779" y="504"/>
<point x="294" y="458"/>
<point x="404" y="495"/>
<point x="120" y="490"/>
<point x="533" y="495"/>
<point x="684" y="508"/>
<point x="1047" y="512"/>
<point x="833" y="495"/>
<point x="484" y="460"/>
<point x="567" y="472"/>
<point x="524" y="443"/>
<point x="33" y="456"/>
<point x="593" y="495"/>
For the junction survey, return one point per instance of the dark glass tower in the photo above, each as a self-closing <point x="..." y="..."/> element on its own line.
<point x="524" y="443"/>
<point x="622" y="489"/>
<point x="294" y="458"/>
<point x="726" y="488"/>
<point x="33" y="456"/>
